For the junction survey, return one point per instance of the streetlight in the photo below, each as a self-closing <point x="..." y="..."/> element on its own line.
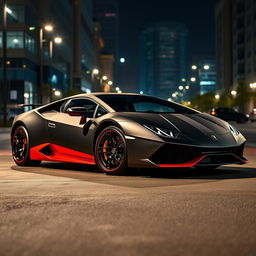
<point x="48" y="27"/>
<point x="252" y="85"/>
<point x="217" y="96"/>
<point x="110" y="82"/>
<point x="117" y="88"/>
<point x="233" y="92"/>
<point x="206" y="67"/>
<point x="192" y="79"/>
<point x="57" y="93"/>
<point x="194" y="67"/>
<point x="95" y="71"/>
<point x="58" y="40"/>
<point x="122" y="60"/>
<point x="104" y="78"/>
<point x="180" y="87"/>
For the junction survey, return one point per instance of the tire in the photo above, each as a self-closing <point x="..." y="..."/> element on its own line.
<point x="20" y="148"/>
<point x="111" y="151"/>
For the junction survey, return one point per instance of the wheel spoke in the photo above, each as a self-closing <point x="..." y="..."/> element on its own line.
<point x="111" y="150"/>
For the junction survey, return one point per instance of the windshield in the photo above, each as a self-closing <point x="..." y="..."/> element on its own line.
<point x="144" y="104"/>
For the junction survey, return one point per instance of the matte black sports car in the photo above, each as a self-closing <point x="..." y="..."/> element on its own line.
<point x="117" y="131"/>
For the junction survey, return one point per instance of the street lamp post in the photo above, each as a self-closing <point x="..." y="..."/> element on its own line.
<point x="5" y="86"/>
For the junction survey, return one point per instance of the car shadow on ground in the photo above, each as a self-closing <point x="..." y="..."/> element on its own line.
<point x="82" y="171"/>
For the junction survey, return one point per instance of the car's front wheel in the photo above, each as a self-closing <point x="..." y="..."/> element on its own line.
<point x="111" y="151"/>
<point x="20" y="148"/>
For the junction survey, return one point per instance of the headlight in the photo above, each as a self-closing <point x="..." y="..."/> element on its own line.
<point x="162" y="132"/>
<point x="233" y="130"/>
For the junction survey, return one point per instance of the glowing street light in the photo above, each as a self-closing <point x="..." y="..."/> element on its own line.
<point x="252" y="85"/>
<point x="186" y="87"/>
<point x="183" y="80"/>
<point x="58" y="40"/>
<point x="95" y="71"/>
<point x="233" y="92"/>
<point x="117" y="88"/>
<point x="192" y="79"/>
<point x="174" y="95"/>
<point x="57" y="93"/>
<point x="194" y="67"/>
<point x="26" y="95"/>
<point x="180" y="87"/>
<point x="48" y="27"/>
<point x="105" y="78"/>
<point x="217" y="96"/>
<point x="206" y="67"/>
<point x="110" y="82"/>
<point x="122" y="60"/>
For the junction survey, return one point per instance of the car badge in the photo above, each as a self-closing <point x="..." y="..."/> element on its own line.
<point x="213" y="137"/>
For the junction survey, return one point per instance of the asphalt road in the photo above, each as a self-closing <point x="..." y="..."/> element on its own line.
<point x="65" y="209"/>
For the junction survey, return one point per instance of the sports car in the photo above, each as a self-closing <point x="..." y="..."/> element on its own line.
<point x="118" y="131"/>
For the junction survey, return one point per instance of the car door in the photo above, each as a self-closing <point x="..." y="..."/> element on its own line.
<point x="64" y="130"/>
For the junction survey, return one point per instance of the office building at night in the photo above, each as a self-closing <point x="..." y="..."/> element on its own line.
<point x="106" y="12"/>
<point x="235" y="43"/>
<point x="203" y="76"/>
<point x="163" y="58"/>
<point x="65" y="58"/>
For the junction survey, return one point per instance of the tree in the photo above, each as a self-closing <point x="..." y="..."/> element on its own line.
<point x="243" y="95"/>
<point x="204" y="102"/>
<point x="226" y="100"/>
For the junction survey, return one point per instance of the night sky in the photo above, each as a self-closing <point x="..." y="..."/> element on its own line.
<point x="198" y="15"/>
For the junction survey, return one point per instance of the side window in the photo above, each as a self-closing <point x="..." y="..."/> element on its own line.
<point x="100" y="112"/>
<point x="87" y="104"/>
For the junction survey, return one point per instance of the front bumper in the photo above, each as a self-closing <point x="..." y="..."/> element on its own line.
<point x="171" y="155"/>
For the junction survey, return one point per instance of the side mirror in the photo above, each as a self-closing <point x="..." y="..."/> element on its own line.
<point x="78" y="111"/>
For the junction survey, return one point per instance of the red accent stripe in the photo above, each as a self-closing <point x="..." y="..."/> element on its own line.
<point x="244" y="160"/>
<point x="61" y="154"/>
<point x="187" y="164"/>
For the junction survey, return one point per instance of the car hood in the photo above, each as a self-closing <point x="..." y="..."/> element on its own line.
<point x="197" y="129"/>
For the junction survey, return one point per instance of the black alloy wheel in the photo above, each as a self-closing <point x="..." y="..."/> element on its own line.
<point x="20" y="147"/>
<point x="111" y="151"/>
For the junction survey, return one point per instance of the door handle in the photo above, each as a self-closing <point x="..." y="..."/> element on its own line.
<point x="52" y="125"/>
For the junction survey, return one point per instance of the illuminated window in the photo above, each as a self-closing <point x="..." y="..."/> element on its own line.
<point x="15" y="39"/>
<point x="30" y="44"/>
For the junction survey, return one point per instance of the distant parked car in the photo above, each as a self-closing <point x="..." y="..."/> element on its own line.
<point x="253" y="115"/>
<point x="229" y="114"/>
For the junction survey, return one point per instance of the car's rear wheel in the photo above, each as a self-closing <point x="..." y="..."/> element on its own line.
<point x="20" y="148"/>
<point x="111" y="151"/>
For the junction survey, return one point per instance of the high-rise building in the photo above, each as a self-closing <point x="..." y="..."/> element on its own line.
<point x="203" y="76"/>
<point x="223" y="20"/>
<point x="163" y="58"/>
<point x="236" y="43"/>
<point x="107" y="13"/>
<point x="49" y="48"/>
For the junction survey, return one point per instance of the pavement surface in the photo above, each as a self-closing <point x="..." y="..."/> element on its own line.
<point x="66" y="209"/>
